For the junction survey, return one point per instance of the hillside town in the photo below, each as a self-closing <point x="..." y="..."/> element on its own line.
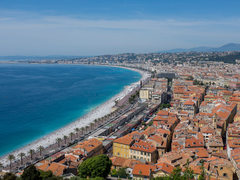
<point x="185" y="116"/>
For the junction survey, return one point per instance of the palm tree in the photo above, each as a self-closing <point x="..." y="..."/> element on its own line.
<point x="91" y="126"/>
<point x="87" y="128"/>
<point x="40" y="148"/>
<point x="71" y="135"/>
<point x="65" y="139"/>
<point x="1" y="167"/>
<point x="58" y="140"/>
<point x="103" y="119"/>
<point x="21" y="155"/>
<point x="77" y="131"/>
<point x="99" y="121"/>
<point x="31" y="152"/>
<point x="96" y="122"/>
<point x="11" y="157"/>
<point x="82" y="129"/>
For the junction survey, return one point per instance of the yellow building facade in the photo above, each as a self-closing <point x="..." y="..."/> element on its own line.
<point x="121" y="150"/>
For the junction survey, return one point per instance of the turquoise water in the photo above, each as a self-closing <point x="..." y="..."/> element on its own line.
<point x="37" y="99"/>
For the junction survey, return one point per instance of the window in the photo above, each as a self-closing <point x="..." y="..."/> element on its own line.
<point x="225" y="174"/>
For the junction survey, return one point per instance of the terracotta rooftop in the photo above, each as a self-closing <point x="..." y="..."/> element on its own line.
<point x="88" y="145"/>
<point x="143" y="146"/>
<point x="167" y="168"/>
<point x="124" y="162"/>
<point x="143" y="170"/>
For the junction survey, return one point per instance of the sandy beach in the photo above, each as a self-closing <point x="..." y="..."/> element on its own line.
<point x="83" y="121"/>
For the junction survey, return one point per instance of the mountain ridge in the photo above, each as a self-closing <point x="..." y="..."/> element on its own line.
<point x="225" y="47"/>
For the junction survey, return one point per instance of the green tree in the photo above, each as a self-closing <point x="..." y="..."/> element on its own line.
<point x="188" y="172"/>
<point x="203" y="174"/>
<point x="163" y="106"/>
<point x="78" y="178"/>
<point x="48" y="175"/>
<point x="40" y="148"/>
<point x="45" y="174"/>
<point x="176" y="174"/>
<point x="96" y="122"/>
<point x="31" y="173"/>
<point x="75" y="178"/>
<point x="21" y="155"/>
<point x="97" y="166"/>
<point x="77" y="131"/>
<point x="121" y="173"/>
<point x="31" y="152"/>
<point x="1" y="167"/>
<point x="58" y="140"/>
<point x="11" y="158"/>
<point x="82" y="130"/>
<point x="71" y="135"/>
<point x="91" y="125"/>
<point x="9" y="176"/>
<point x="65" y="139"/>
<point x="163" y="178"/>
<point x="114" y="173"/>
<point x="98" y="178"/>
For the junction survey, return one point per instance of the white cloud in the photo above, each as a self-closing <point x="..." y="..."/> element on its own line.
<point x="44" y="35"/>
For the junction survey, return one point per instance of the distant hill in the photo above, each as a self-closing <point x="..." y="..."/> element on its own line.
<point x="226" y="47"/>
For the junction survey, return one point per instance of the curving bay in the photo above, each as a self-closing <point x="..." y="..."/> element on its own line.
<point x="37" y="99"/>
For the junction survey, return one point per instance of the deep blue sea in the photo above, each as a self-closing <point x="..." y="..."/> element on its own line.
<point x="38" y="99"/>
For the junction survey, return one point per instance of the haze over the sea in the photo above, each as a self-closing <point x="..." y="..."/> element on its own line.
<point x="38" y="99"/>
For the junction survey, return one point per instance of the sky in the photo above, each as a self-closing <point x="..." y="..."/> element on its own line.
<point x="97" y="27"/>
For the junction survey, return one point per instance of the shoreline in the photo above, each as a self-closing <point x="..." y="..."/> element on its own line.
<point x="98" y="112"/>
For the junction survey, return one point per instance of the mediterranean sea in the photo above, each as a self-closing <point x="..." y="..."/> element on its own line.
<point x="37" y="99"/>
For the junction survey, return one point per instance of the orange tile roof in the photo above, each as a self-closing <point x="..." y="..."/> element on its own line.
<point x="127" y="140"/>
<point x="194" y="142"/>
<point x="167" y="168"/>
<point x="161" y="142"/>
<point x="189" y="102"/>
<point x="162" y="131"/>
<point x="43" y="165"/>
<point x="163" y="113"/>
<point x="150" y="130"/>
<point x="200" y="152"/>
<point x="71" y="157"/>
<point x="88" y="145"/>
<point x="143" y="170"/>
<point x="234" y="143"/>
<point x="143" y="146"/>
<point x="56" y="168"/>
<point x="124" y="162"/>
